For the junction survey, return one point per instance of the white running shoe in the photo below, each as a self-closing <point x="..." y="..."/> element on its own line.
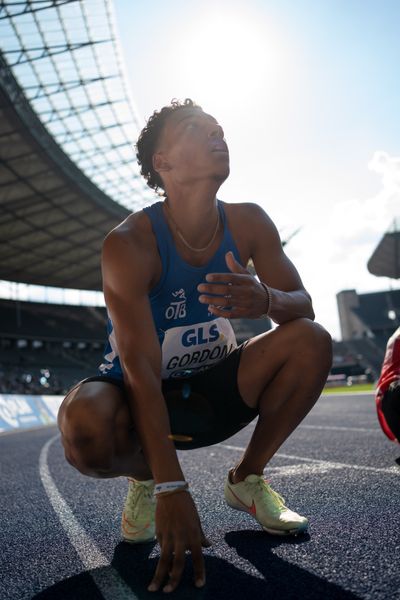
<point x="255" y="496"/>
<point x="138" y="516"/>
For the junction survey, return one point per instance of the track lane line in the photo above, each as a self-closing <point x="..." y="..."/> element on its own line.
<point x="107" y="579"/>
<point x="333" y="428"/>
<point x="339" y="428"/>
<point x="349" y="393"/>
<point x="329" y="464"/>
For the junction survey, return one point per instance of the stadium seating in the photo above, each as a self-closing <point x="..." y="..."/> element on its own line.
<point x="46" y="348"/>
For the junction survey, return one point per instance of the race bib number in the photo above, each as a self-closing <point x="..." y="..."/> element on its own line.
<point x="191" y="348"/>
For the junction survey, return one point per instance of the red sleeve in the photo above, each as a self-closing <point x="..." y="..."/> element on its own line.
<point x="390" y="372"/>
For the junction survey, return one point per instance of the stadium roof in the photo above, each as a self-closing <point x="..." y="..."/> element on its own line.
<point x="385" y="261"/>
<point x="67" y="134"/>
<point x="53" y="219"/>
<point x="65" y="56"/>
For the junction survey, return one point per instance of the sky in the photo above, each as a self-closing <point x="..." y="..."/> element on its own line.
<point x="308" y="94"/>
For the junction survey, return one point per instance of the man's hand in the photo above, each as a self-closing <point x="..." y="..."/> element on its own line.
<point x="238" y="290"/>
<point x="178" y="529"/>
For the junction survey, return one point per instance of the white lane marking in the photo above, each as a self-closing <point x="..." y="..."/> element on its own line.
<point x="329" y="464"/>
<point x="302" y="469"/>
<point x="337" y="428"/>
<point x="333" y="428"/>
<point x="107" y="579"/>
<point x="365" y="393"/>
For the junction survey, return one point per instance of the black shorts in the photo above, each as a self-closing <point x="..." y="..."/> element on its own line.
<point x="203" y="409"/>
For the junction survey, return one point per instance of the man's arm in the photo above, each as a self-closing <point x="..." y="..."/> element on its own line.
<point x="240" y="295"/>
<point x="289" y="299"/>
<point x="127" y="268"/>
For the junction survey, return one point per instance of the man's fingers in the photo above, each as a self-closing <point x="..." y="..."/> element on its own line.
<point x="163" y="567"/>
<point x="219" y="289"/>
<point x="234" y="278"/>
<point x="235" y="313"/>
<point x="216" y="300"/>
<point x="177" y="569"/>
<point x="198" y="566"/>
<point x="204" y="540"/>
<point x="233" y="264"/>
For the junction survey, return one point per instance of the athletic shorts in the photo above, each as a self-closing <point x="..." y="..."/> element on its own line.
<point x="205" y="408"/>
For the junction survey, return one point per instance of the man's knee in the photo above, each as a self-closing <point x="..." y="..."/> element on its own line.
<point x="319" y="335"/>
<point x="313" y="339"/>
<point x="87" y="432"/>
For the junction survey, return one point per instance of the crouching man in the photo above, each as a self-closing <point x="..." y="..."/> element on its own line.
<point x="173" y="376"/>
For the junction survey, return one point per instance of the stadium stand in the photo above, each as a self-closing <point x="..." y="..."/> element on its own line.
<point x="366" y="321"/>
<point x="46" y="348"/>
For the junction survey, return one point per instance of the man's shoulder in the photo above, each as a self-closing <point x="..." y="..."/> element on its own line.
<point x="130" y="250"/>
<point x="249" y="209"/>
<point x="135" y="230"/>
<point x="247" y="213"/>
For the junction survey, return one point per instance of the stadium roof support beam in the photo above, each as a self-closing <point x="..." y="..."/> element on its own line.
<point x="32" y="7"/>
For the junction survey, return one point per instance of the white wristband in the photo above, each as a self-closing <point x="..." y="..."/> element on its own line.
<point x="169" y="486"/>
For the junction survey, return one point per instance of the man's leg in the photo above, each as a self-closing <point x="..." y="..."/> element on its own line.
<point x="99" y="440"/>
<point x="283" y="373"/>
<point x="97" y="432"/>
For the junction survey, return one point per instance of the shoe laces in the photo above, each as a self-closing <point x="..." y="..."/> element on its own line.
<point x="263" y="486"/>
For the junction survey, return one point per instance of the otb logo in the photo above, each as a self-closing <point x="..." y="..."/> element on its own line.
<point x="177" y="308"/>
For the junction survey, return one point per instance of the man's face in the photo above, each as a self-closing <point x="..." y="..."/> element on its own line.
<point x="192" y="143"/>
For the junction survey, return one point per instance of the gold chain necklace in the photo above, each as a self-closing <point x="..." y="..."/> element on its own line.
<point x="183" y="239"/>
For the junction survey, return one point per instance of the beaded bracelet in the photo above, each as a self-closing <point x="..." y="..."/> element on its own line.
<point x="266" y="288"/>
<point x="168" y="486"/>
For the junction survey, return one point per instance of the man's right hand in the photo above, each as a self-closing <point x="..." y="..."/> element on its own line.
<point x="178" y="529"/>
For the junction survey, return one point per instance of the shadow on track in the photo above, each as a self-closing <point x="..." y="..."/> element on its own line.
<point x="282" y="579"/>
<point x="224" y="580"/>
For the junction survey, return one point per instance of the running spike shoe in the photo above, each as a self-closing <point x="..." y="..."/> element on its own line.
<point x="255" y="496"/>
<point x="138" y="516"/>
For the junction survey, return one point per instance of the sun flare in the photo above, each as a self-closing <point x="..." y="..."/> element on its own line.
<point x="229" y="55"/>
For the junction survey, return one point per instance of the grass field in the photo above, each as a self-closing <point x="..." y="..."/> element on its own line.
<point x="361" y="387"/>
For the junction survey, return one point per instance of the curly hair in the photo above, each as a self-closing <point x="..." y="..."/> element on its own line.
<point x="149" y="137"/>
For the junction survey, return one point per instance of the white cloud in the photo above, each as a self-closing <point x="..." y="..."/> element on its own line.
<point x="331" y="253"/>
<point x="389" y="168"/>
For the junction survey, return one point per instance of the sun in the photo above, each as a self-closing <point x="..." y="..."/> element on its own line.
<point x="228" y="56"/>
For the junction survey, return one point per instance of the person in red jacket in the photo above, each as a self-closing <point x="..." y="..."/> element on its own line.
<point x="388" y="390"/>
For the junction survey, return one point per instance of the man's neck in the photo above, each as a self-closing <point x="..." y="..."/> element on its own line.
<point x="194" y="210"/>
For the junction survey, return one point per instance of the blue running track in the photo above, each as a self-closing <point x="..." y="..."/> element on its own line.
<point x="60" y="536"/>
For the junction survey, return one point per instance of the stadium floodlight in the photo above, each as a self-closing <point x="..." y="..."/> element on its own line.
<point x="66" y="57"/>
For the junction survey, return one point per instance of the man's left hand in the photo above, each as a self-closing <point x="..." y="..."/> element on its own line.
<point x="233" y="295"/>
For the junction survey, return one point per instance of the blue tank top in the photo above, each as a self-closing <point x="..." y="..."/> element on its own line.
<point x="191" y="338"/>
